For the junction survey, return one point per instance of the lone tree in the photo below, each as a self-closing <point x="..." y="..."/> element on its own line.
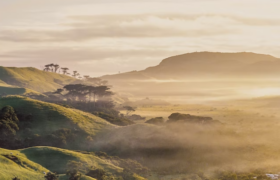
<point x="65" y="70"/>
<point x="15" y="178"/>
<point x="51" y="176"/>
<point x="56" y="67"/>
<point x="129" y="109"/>
<point x="59" y="91"/>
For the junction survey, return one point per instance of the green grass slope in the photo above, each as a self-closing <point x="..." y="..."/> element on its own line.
<point x="56" y="159"/>
<point x="13" y="90"/>
<point x="24" y="168"/>
<point x="33" y="78"/>
<point x="33" y="162"/>
<point x="55" y="125"/>
<point x="48" y="117"/>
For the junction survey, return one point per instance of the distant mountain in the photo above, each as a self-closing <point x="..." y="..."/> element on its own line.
<point x="206" y="64"/>
<point x="33" y="79"/>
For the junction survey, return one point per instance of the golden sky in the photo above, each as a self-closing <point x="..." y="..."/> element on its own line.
<point x="98" y="37"/>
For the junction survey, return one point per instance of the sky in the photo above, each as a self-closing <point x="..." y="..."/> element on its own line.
<point x="98" y="37"/>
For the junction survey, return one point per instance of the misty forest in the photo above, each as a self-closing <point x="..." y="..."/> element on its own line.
<point x="139" y="90"/>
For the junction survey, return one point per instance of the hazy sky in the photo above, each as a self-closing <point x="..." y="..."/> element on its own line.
<point x="98" y="37"/>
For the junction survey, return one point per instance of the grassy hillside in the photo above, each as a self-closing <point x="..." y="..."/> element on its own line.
<point x="33" y="78"/>
<point x="24" y="169"/>
<point x="50" y="117"/>
<point x="55" y="125"/>
<point x="13" y="90"/>
<point x="56" y="159"/>
<point x="33" y="162"/>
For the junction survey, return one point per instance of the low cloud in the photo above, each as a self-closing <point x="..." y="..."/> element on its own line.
<point x="82" y="28"/>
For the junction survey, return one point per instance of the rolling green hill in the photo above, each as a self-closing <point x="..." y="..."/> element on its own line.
<point x="50" y="117"/>
<point x="24" y="169"/>
<point x="31" y="163"/>
<point x="33" y="78"/>
<point x="56" y="159"/>
<point x="6" y="89"/>
<point x="55" y="125"/>
<point x="13" y="90"/>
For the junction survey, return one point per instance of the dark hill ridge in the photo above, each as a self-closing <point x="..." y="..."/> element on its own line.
<point x="206" y="64"/>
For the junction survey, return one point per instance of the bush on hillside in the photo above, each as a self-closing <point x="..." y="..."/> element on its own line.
<point x="156" y="120"/>
<point x="178" y="117"/>
<point x="51" y="176"/>
<point x="8" y="126"/>
<point x="135" y="117"/>
<point x="98" y="174"/>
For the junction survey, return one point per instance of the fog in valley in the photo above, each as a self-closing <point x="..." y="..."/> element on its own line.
<point x="139" y="90"/>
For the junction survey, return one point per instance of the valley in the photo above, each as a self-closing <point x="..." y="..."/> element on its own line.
<point x="140" y="127"/>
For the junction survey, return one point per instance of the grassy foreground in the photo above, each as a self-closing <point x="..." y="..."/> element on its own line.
<point x="32" y="162"/>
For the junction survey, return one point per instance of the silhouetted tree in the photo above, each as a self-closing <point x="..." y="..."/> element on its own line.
<point x="129" y="109"/>
<point x="56" y="67"/>
<point x="58" y="91"/>
<point x="47" y="67"/>
<point x="75" y="74"/>
<point x="80" y="92"/>
<point x="76" y="92"/>
<point x="52" y="67"/>
<point x="64" y="70"/>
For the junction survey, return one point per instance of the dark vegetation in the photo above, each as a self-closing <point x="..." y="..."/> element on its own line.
<point x="51" y="176"/>
<point x="177" y="117"/>
<point x="12" y="125"/>
<point x="9" y="125"/>
<point x="135" y="117"/>
<point x="128" y="164"/>
<point x="90" y="98"/>
<point x="75" y="170"/>
<point x="156" y="120"/>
